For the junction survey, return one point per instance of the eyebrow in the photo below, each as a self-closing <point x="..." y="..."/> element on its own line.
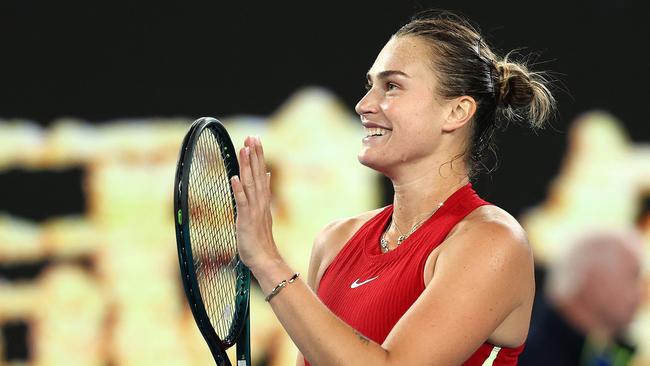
<point x="386" y="73"/>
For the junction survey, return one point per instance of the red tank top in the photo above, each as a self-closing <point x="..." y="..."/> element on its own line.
<point x="383" y="286"/>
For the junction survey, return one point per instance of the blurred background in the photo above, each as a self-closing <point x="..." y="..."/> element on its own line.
<point x="95" y="98"/>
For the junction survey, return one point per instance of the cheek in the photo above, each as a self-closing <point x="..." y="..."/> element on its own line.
<point x="416" y="122"/>
<point x="406" y="109"/>
<point x="387" y="107"/>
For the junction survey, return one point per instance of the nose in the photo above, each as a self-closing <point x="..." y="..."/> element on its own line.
<point x="367" y="104"/>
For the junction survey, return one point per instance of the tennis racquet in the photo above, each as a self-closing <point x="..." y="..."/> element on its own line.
<point x="216" y="282"/>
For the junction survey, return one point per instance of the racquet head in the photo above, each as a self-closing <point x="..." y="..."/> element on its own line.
<point x="216" y="282"/>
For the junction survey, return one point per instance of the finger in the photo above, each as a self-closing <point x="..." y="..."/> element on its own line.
<point x="246" y="177"/>
<point x="261" y="167"/>
<point x="268" y="183"/>
<point x="238" y="191"/>
<point x="258" y="174"/>
<point x="260" y="155"/>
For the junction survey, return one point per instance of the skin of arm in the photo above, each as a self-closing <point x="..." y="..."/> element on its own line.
<point x="327" y="244"/>
<point x="479" y="279"/>
<point x="314" y="265"/>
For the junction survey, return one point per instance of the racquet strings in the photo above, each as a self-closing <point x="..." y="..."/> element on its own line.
<point x="212" y="233"/>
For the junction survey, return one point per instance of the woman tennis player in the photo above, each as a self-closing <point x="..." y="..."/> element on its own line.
<point x="440" y="277"/>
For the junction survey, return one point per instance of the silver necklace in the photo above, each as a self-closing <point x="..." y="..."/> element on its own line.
<point x="383" y="242"/>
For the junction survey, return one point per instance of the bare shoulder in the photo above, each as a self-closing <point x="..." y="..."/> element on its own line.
<point x="330" y="240"/>
<point x="482" y="288"/>
<point x="493" y="224"/>
<point x="494" y="238"/>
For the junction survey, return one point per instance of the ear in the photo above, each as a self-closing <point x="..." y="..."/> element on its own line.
<point x="461" y="111"/>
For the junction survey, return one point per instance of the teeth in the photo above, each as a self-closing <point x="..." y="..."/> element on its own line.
<point x="375" y="131"/>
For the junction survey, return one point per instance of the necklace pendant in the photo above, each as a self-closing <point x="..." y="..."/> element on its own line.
<point x="384" y="245"/>
<point x="400" y="239"/>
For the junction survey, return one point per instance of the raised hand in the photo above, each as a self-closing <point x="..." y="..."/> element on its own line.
<point x="253" y="197"/>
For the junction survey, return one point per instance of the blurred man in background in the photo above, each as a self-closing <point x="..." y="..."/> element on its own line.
<point x="589" y="297"/>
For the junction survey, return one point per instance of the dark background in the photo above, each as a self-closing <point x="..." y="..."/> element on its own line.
<point x="105" y="60"/>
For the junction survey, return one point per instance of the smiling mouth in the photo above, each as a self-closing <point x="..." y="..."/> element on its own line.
<point x="375" y="131"/>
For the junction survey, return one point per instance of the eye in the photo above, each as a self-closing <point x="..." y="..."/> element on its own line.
<point x="391" y="86"/>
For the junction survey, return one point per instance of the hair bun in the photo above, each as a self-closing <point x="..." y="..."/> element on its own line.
<point x="514" y="85"/>
<point x="522" y="95"/>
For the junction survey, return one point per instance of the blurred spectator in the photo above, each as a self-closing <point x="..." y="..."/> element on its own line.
<point x="589" y="298"/>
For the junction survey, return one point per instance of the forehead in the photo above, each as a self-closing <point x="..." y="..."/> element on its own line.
<point x="410" y="55"/>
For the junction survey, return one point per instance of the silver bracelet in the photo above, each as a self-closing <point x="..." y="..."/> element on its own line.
<point x="280" y="286"/>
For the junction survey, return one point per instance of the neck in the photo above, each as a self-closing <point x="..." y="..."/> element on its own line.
<point x="417" y="196"/>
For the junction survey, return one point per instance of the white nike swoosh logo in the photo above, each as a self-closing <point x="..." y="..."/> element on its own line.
<point x="356" y="282"/>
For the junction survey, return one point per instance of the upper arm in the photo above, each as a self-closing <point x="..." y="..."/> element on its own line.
<point x="326" y="245"/>
<point x="329" y="242"/>
<point x="482" y="275"/>
<point x="319" y="252"/>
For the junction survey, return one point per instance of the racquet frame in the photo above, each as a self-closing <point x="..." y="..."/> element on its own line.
<point x="240" y="328"/>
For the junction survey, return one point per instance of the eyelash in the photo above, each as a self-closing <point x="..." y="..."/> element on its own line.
<point x="389" y="86"/>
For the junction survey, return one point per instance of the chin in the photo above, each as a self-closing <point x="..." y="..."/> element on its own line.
<point x="370" y="161"/>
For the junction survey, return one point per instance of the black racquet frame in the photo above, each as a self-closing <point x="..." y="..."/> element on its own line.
<point x="240" y="328"/>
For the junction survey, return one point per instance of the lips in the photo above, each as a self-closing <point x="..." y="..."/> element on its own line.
<point x="375" y="131"/>
<point x="372" y="129"/>
<point x="368" y="124"/>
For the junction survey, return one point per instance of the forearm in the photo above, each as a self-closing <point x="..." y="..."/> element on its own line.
<point x="321" y="336"/>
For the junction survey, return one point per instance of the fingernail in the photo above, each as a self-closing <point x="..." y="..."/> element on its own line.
<point x="248" y="150"/>
<point x="259" y="140"/>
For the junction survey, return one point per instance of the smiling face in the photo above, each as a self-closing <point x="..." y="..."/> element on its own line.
<point x="402" y="114"/>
